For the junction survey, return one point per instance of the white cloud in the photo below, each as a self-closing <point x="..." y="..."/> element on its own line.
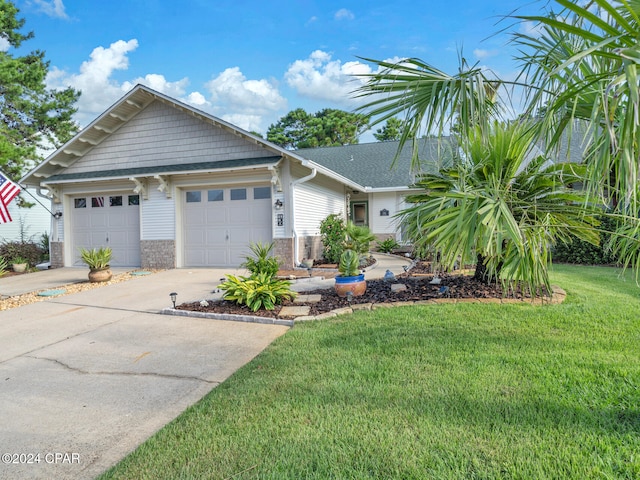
<point x="244" y="102"/>
<point x="344" y="14"/>
<point x="322" y="78"/>
<point x="94" y="80"/>
<point x="4" y="44"/>
<point x="481" y="54"/>
<point x="52" y="8"/>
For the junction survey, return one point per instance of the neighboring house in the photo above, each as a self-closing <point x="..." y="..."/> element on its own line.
<point x="28" y="224"/>
<point x="166" y="185"/>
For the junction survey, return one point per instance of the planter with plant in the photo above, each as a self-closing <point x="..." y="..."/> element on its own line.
<point x="97" y="259"/>
<point x="350" y="281"/>
<point x="20" y="264"/>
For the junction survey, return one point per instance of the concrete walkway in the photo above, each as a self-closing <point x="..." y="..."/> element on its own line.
<point x="87" y="377"/>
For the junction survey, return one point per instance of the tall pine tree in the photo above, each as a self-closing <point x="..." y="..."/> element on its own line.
<point x="32" y="117"/>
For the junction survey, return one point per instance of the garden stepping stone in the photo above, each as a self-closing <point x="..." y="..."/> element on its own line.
<point x="51" y="293"/>
<point x="398" y="287"/>
<point x="294" y="311"/>
<point x="307" y="299"/>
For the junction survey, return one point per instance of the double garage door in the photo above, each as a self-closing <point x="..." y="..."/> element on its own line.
<point x="107" y="220"/>
<point x="220" y="223"/>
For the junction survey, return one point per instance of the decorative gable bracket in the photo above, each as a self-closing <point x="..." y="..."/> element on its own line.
<point x="165" y="185"/>
<point x="275" y="178"/>
<point x="141" y="187"/>
<point x="53" y="193"/>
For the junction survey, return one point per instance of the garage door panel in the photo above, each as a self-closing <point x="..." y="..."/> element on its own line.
<point x="240" y="215"/>
<point x="98" y="220"/>
<point x="216" y="236"/>
<point x="106" y="221"/>
<point x="233" y="219"/>
<point x="195" y="216"/>
<point x="217" y="257"/>
<point x="217" y="217"/>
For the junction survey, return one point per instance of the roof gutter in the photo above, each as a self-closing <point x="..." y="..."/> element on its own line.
<point x="294" y="184"/>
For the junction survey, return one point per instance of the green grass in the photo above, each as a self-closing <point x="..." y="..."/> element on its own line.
<point x="448" y="391"/>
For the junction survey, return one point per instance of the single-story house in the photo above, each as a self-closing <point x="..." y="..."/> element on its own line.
<point x="166" y="185"/>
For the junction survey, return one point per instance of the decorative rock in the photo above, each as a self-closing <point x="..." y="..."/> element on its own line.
<point x="398" y="287"/>
<point x="361" y="306"/>
<point x="307" y="299"/>
<point x="295" y="311"/>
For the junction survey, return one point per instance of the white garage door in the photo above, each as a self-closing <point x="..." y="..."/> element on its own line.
<point x="107" y="220"/>
<point x="219" y="224"/>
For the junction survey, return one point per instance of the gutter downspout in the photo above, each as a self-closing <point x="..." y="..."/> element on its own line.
<point x="294" y="184"/>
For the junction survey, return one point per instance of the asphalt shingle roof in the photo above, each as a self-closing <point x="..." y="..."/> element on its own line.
<point x="180" y="167"/>
<point x="371" y="164"/>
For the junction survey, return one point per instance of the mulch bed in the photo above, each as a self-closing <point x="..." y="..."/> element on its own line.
<point x="378" y="291"/>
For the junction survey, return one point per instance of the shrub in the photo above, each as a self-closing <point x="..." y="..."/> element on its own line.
<point x="263" y="262"/>
<point x="332" y="231"/>
<point x="29" y="251"/>
<point x="257" y="291"/>
<point x="4" y="266"/>
<point x="387" y="245"/>
<point x="584" y="253"/>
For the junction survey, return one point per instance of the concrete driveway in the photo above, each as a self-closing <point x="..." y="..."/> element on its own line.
<point x="85" y="378"/>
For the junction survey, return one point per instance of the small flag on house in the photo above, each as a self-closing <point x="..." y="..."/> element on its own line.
<point x="8" y="191"/>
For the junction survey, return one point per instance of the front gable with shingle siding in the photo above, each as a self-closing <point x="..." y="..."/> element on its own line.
<point x="162" y="135"/>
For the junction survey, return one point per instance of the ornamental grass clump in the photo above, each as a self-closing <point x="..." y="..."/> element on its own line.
<point x="261" y="289"/>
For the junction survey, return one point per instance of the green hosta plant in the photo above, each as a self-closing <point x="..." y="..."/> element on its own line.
<point x="263" y="261"/>
<point x="96" y="258"/>
<point x="258" y="291"/>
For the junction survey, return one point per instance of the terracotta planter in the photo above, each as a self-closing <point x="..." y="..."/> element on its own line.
<point x="100" y="275"/>
<point x="357" y="285"/>
<point x="19" y="267"/>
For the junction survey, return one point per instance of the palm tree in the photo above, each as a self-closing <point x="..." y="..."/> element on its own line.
<point x="580" y="65"/>
<point x="504" y="203"/>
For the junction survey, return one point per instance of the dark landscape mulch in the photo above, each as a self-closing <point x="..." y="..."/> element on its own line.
<point x="378" y="291"/>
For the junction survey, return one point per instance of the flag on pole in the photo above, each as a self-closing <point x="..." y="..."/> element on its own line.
<point x="8" y="191"/>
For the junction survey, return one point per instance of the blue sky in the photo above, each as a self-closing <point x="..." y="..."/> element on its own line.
<point x="250" y="62"/>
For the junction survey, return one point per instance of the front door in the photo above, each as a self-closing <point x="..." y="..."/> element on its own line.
<point x="360" y="213"/>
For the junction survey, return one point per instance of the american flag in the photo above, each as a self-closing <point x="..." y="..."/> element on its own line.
<point x="8" y="191"/>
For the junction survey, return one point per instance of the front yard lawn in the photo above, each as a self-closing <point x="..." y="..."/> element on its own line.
<point x="446" y="391"/>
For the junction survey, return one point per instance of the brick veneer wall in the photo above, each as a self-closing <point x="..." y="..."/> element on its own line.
<point x="158" y="253"/>
<point x="283" y="250"/>
<point x="56" y="254"/>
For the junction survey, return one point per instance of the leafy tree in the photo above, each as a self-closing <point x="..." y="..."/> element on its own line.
<point x="328" y="127"/>
<point x="390" y="131"/>
<point x="502" y="205"/>
<point x="31" y="116"/>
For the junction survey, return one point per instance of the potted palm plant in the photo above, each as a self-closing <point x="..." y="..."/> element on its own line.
<point x="97" y="259"/>
<point x="350" y="278"/>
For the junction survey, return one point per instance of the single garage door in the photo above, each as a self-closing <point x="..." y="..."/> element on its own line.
<point x="220" y="223"/>
<point x="107" y="220"/>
